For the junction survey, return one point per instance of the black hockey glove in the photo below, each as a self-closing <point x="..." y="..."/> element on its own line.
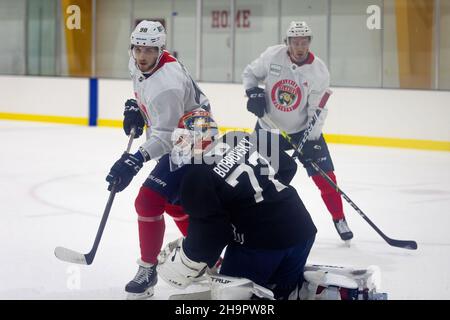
<point x="133" y="117"/>
<point x="123" y="171"/>
<point x="310" y="152"/>
<point x="256" y="102"/>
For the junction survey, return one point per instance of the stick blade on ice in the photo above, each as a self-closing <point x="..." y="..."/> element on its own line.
<point x="405" y="244"/>
<point x="71" y="256"/>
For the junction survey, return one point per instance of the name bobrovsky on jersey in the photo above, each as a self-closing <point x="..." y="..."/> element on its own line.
<point x="233" y="157"/>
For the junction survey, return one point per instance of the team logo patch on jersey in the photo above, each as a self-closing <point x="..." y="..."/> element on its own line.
<point x="286" y="95"/>
<point x="275" y="69"/>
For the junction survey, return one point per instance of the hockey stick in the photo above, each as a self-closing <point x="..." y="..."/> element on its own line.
<point x="72" y="256"/>
<point x="405" y="244"/>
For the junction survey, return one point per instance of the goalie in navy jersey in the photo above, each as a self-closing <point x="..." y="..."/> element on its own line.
<point x="236" y="192"/>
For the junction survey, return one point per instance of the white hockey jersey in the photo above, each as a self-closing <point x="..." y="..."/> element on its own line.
<point x="163" y="97"/>
<point x="293" y="93"/>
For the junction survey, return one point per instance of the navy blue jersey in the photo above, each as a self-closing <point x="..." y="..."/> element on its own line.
<point x="240" y="194"/>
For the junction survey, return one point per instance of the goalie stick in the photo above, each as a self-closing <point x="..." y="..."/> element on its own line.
<point x="405" y="244"/>
<point x="72" y="256"/>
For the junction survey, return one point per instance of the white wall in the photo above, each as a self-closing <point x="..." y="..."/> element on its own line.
<point x="389" y="113"/>
<point x="112" y="95"/>
<point x="392" y="113"/>
<point x="68" y="97"/>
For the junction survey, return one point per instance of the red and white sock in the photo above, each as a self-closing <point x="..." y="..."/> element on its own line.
<point x="179" y="216"/>
<point x="150" y="209"/>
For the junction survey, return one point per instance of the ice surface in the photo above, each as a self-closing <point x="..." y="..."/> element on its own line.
<point x="53" y="193"/>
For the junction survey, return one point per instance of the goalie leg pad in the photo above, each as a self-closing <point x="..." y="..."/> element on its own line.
<point x="176" y="268"/>
<point x="233" y="288"/>
<point x="340" y="283"/>
<point x="322" y="285"/>
<point x="228" y="288"/>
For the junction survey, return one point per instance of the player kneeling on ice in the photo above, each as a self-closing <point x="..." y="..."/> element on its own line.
<point x="236" y="198"/>
<point x="239" y="197"/>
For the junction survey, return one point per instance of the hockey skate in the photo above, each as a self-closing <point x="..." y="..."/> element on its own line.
<point x="141" y="287"/>
<point x="344" y="231"/>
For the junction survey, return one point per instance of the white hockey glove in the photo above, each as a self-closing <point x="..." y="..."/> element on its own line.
<point x="176" y="268"/>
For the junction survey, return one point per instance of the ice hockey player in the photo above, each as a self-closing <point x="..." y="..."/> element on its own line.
<point x="236" y="199"/>
<point x="296" y="84"/>
<point x="164" y="91"/>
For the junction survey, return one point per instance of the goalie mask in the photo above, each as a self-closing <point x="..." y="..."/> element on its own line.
<point x="196" y="130"/>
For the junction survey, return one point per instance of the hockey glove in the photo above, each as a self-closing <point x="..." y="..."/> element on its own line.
<point x="133" y="117"/>
<point x="256" y="102"/>
<point x="176" y="268"/>
<point x="309" y="153"/>
<point x="123" y="171"/>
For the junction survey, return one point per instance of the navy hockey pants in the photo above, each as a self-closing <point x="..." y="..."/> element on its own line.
<point x="323" y="159"/>
<point x="279" y="270"/>
<point x="165" y="182"/>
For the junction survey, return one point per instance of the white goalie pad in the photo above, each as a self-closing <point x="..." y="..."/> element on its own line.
<point x="232" y="288"/>
<point x="324" y="282"/>
<point x="176" y="268"/>
<point x="227" y="288"/>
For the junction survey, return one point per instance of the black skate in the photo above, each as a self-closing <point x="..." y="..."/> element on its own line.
<point x="344" y="231"/>
<point x="141" y="287"/>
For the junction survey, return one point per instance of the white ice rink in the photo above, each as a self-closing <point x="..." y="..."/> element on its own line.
<point x="53" y="192"/>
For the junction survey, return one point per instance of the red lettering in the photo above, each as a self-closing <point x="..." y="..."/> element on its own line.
<point x="220" y="19"/>
<point x="238" y="19"/>
<point x="215" y="19"/>
<point x="245" y="18"/>
<point x="224" y="19"/>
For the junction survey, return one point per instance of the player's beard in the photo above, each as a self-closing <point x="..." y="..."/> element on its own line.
<point x="144" y="66"/>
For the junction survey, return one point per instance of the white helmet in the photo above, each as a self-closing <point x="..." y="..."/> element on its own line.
<point x="149" y="34"/>
<point x="298" y="29"/>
